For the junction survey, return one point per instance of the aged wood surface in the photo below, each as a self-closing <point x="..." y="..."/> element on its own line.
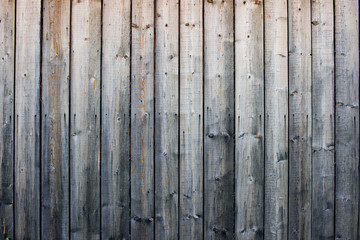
<point x="142" y="120"/>
<point x="85" y="119"/>
<point x="323" y="181"/>
<point x="7" y="55"/>
<point x="299" y="119"/>
<point x="167" y="119"/>
<point x="249" y="120"/>
<point x="347" y="118"/>
<point x="191" y="120"/>
<point x="219" y="119"/>
<point x="115" y="151"/>
<point x="55" y="120"/>
<point x="27" y="122"/>
<point x="276" y="120"/>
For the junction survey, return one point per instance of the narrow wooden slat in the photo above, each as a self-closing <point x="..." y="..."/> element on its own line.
<point x="7" y="52"/>
<point x="219" y="119"/>
<point x="300" y="119"/>
<point x="27" y="123"/>
<point x="167" y="119"/>
<point x="191" y="120"/>
<point x="276" y="120"/>
<point x="55" y="119"/>
<point x="249" y="120"/>
<point x="85" y="119"/>
<point x="142" y="120"/>
<point x="322" y="120"/>
<point x="115" y="154"/>
<point x="347" y="118"/>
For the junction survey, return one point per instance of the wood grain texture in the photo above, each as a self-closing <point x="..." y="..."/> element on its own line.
<point x="219" y="119"/>
<point x="142" y="120"/>
<point x="191" y="120"/>
<point x="7" y="58"/>
<point x="323" y="120"/>
<point x="167" y="119"/>
<point x="85" y="119"/>
<point x="27" y="123"/>
<point x="276" y="120"/>
<point x="299" y="119"/>
<point x="55" y="119"/>
<point x="347" y="118"/>
<point x="115" y="153"/>
<point x="249" y="120"/>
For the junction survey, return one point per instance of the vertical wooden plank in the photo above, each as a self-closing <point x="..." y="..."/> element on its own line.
<point x="115" y="154"/>
<point x="191" y="120"/>
<point x="347" y="118"/>
<point x="7" y="52"/>
<point x="142" y="120"/>
<point x="219" y="119"/>
<point x="276" y="121"/>
<point x="167" y="119"/>
<point x="249" y="120"/>
<point x="55" y="119"/>
<point x="27" y="123"/>
<point x="85" y="119"/>
<point x="322" y="120"/>
<point x="300" y="119"/>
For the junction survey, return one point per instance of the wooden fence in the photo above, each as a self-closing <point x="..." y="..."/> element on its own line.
<point x="189" y="119"/>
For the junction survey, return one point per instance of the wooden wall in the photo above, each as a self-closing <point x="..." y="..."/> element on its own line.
<point x="179" y="119"/>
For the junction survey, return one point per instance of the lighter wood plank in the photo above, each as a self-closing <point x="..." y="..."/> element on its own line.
<point x="167" y="119"/>
<point x="115" y="154"/>
<point x="27" y="123"/>
<point x="300" y="119"/>
<point x="219" y="119"/>
<point x="55" y="119"/>
<point x="249" y="120"/>
<point x="85" y="119"/>
<point x="347" y="118"/>
<point x="322" y="120"/>
<point x="142" y="120"/>
<point x="7" y="52"/>
<point x="276" y="121"/>
<point x="191" y="120"/>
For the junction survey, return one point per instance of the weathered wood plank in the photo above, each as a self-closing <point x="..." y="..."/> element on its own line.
<point x="219" y="119"/>
<point x="276" y="120"/>
<point x="142" y="120"/>
<point x="347" y="118"/>
<point x="191" y="120"/>
<point x="115" y="153"/>
<point x="85" y="119"/>
<point x="27" y="123"/>
<point x="249" y="120"/>
<point x="300" y="119"/>
<point x="322" y="120"/>
<point x="55" y="119"/>
<point x="167" y="119"/>
<point x="7" y="52"/>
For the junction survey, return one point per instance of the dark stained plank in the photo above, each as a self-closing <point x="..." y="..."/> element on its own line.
<point x="219" y="119"/>
<point x="115" y="153"/>
<point x="347" y="118"/>
<point x="299" y="119"/>
<point x="167" y="119"/>
<point x="249" y="120"/>
<point x="85" y="119"/>
<point x="323" y="181"/>
<point x="27" y="122"/>
<point x="276" y="120"/>
<point x="55" y="119"/>
<point x="191" y="120"/>
<point x="7" y="58"/>
<point x="142" y="120"/>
